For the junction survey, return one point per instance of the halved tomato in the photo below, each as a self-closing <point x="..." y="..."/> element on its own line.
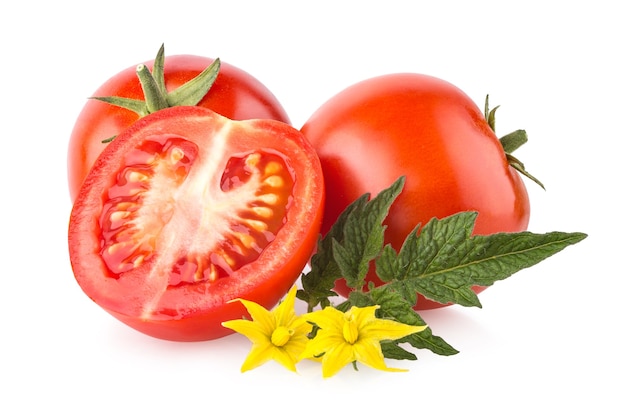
<point x="188" y="210"/>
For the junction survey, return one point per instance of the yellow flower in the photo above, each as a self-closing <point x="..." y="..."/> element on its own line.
<point x="275" y="335"/>
<point x="352" y="336"/>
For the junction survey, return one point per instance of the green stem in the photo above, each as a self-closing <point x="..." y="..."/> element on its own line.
<point x="155" y="100"/>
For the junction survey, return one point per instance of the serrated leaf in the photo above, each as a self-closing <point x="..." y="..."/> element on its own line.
<point x="387" y="264"/>
<point x="317" y="285"/>
<point x="363" y="236"/>
<point x="394" y="306"/>
<point x="392" y="350"/>
<point x="444" y="261"/>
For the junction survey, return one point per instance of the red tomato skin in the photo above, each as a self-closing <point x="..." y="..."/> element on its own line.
<point x="196" y="312"/>
<point x="235" y="94"/>
<point x="427" y="129"/>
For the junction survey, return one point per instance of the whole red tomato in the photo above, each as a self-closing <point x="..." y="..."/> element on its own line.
<point x="186" y="211"/>
<point x="234" y="94"/>
<point x="429" y="131"/>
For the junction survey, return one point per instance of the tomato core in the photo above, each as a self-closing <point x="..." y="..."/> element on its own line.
<point x="240" y="220"/>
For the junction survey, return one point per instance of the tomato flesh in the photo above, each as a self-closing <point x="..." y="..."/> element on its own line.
<point x="428" y="130"/>
<point x="173" y="224"/>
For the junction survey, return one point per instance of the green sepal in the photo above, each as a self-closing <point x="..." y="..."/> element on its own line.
<point x="158" y="70"/>
<point x="512" y="141"/>
<point x="135" y="105"/>
<point x="192" y="92"/>
<point x="519" y="166"/>
<point x="490" y="114"/>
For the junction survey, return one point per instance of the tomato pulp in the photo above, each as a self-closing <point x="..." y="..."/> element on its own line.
<point x="428" y="130"/>
<point x="234" y="94"/>
<point x="187" y="210"/>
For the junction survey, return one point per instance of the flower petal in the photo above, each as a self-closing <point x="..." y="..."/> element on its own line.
<point x="252" y="330"/>
<point x="329" y="318"/>
<point x="336" y="358"/>
<point x="297" y="343"/>
<point x="259" y="355"/>
<point x="369" y="353"/>
<point x="385" y="329"/>
<point x="324" y="341"/>
<point x="363" y="315"/>
<point x="283" y="356"/>
<point x="260" y="316"/>
<point x="284" y="313"/>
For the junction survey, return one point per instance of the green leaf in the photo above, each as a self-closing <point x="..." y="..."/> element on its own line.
<point x="445" y="261"/>
<point x="317" y="285"/>
<point x="441" y="261"/>
<point x="363" y="236"/>
<point x="359" y="226"/>
<point x="392" y="350"/>
<point x="394" y="306"/>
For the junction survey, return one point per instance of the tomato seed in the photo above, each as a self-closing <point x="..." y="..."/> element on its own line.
<point x="274" y="181"/>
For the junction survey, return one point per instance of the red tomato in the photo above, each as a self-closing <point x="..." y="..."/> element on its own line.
<point x="187" y="210"/>
<point x="234" y="94"/>
<point x="428" y="130"/>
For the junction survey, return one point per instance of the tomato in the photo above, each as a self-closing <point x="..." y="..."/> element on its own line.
<point x="234" y="94"/>
<point x="187" y="210"/>
<point x="428" y="130"/>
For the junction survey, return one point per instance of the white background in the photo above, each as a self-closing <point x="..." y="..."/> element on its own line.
<point x="548" y="336"/>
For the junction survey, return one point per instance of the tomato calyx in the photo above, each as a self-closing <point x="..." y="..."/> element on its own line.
<point x="510" y="142"/>
<point x="156" y="95"/>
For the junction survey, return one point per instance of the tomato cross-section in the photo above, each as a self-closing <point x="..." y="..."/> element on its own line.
<point x="188" y="210"/>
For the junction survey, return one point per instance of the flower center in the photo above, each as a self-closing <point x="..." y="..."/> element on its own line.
<point x="280" y="336"/>
<point x="350" y="330"/>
